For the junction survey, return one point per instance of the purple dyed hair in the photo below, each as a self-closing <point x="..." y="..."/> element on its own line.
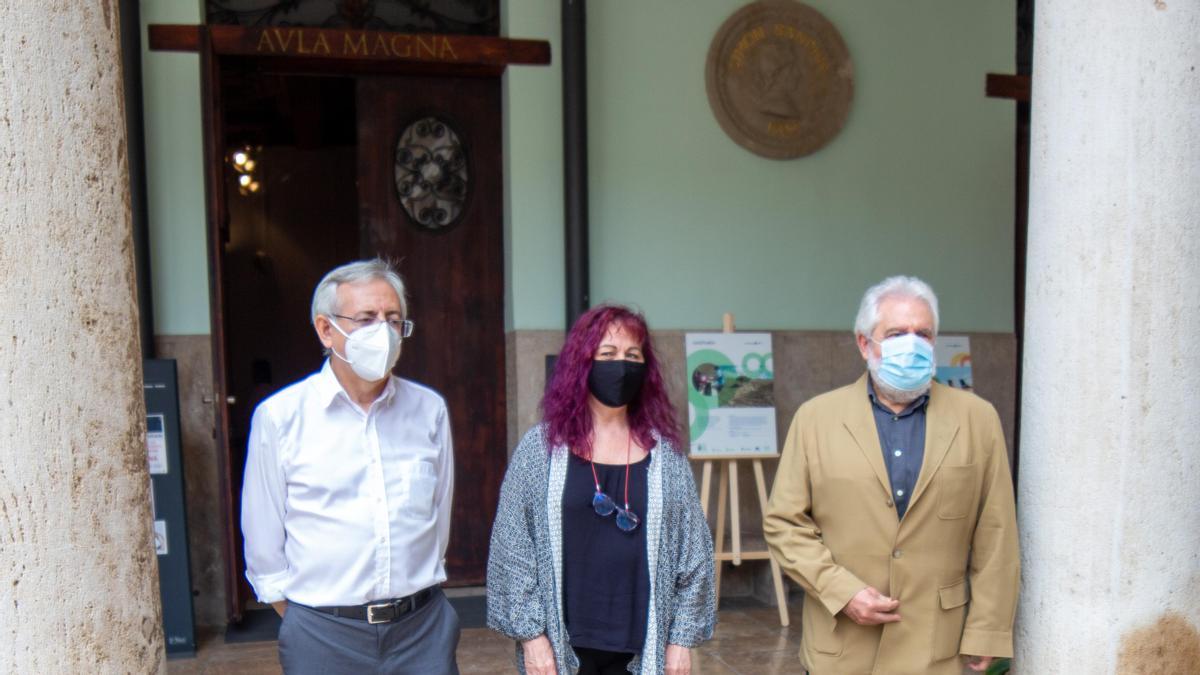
<point x="565" y="404"/>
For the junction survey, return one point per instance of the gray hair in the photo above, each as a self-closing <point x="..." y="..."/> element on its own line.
<point x="892" y="287"/>
<point x="325" y="297"/>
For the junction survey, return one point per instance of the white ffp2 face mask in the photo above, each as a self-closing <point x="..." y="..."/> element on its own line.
<point x="372" y="351"/>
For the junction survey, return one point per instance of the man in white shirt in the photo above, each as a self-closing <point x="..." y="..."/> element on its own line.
<point x="346" y="500"/>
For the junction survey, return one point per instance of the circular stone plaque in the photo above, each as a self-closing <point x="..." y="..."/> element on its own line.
<point x="779" y="79"/>
<point x="431" y="173"/>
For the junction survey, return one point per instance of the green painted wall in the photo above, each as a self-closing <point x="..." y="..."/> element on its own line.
<point x="533" y="180"/>
<point x="688" y="224"/>
<point x="684" y="222"/>
<point x="175" y="177"/>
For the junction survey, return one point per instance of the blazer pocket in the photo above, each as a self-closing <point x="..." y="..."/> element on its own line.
<point x="819" y="629"/>
<point x="953" y="601"/>
<point x="956" y="491"/>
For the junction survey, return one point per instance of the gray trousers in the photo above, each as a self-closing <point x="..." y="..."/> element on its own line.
<point x="419" y="643"/>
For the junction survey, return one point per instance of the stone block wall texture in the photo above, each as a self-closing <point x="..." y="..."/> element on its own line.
<point x="78" y="575"/>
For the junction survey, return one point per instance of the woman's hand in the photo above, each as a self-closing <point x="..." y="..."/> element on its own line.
<point x="539" y="656"/>
<point x="679" y="660"/>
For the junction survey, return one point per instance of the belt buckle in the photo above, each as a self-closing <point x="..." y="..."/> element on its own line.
<point x="371" y="609"/>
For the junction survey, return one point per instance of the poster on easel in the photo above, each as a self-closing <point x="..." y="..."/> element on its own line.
<point x="952" y="354"/>
<point x="731" y="394"/>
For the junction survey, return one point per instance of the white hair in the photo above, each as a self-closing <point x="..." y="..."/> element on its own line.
<point x="892" y="287"/>
<point x="324" y="300"/>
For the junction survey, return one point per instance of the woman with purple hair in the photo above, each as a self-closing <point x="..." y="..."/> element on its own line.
<point x="601" y="560"/>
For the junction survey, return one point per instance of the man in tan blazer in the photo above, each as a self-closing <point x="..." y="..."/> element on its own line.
<point x="893" y="509"/>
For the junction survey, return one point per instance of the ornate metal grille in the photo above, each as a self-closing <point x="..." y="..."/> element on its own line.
<point x="431" y="174"/>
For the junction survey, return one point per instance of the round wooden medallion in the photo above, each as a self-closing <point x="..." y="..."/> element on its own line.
<point x="779" y="78"/>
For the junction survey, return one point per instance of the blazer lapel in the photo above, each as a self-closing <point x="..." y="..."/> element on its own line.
<point x="940" y="429"/>
<point x="861" y="425"/>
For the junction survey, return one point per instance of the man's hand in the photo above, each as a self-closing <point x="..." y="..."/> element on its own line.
<point x="979" y="663"/>
<point x="539" y="656"/>
<point x="869" y="607"/>
<point x="280" y="607"/>
<point x="678" y="660"/>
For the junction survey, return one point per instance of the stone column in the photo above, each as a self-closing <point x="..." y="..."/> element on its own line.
<point x="1109" y="485"/>
<point x="78" y="575"/>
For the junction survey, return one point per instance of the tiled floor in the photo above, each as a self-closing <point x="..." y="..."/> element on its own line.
<point x="748" y="641"/>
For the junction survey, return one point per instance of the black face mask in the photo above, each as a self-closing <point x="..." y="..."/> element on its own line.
<point x="616" y="383"/>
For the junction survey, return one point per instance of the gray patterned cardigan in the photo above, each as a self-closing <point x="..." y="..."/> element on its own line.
<point x="524" y="579"/>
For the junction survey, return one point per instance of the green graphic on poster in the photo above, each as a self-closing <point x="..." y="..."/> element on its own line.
<point x="731" y="397"/>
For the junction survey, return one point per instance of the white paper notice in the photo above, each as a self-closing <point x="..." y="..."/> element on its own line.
<point x="160" y="537"/>
<point x="156" y="444"/>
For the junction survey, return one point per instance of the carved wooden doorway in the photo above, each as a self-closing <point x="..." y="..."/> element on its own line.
<point x="391" y="153"/>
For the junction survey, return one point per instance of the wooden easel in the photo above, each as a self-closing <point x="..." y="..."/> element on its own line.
<point x="727" y="497"/>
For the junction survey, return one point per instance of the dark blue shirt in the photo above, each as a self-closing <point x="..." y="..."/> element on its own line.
<point x="606" y="577"/>
<point x="902" y="438"/>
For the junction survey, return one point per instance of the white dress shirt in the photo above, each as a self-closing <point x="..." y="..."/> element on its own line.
<point x="342" y="506"/>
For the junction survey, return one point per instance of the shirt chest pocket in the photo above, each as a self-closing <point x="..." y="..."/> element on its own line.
<point x="956" y="491"/>
<point x="418" y="483"/>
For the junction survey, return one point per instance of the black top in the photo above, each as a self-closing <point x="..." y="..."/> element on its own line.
<point x="902" y="438"/>
<point x="606" y="580"/>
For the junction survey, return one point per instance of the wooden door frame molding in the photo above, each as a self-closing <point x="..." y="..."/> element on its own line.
<point x="381" y="51"/>
<point x="217" y="217"/>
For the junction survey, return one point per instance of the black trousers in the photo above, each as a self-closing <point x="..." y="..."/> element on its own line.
<point x="600" y="662"/>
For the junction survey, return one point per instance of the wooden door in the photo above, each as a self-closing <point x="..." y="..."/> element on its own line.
<point x="217" y="214"/>
<point x="449" y="248"/>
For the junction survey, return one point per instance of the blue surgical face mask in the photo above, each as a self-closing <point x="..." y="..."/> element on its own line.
<point x="906" y="362"/>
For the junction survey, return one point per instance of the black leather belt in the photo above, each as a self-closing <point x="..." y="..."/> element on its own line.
<point x="383" y="611"/>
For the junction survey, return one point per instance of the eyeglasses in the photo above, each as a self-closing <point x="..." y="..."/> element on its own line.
<point x="627" y="520"/>
<point x="603" y="505"/>
<point x="404" y="327"/>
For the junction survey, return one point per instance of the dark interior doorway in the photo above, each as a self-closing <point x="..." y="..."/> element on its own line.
<point x="298" y="135"/>
<point x="320" y="190"/>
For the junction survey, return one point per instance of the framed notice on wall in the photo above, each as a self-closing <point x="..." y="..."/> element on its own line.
<point x="731" y="394"/>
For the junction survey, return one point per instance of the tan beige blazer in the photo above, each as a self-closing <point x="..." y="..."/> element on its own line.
<point x="952" y="561"/>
